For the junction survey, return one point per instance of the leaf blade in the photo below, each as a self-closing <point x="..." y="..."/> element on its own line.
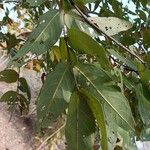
<point x="80" y="124"/>
<point x="99" y="116"/>
<point x="44" y="36"/>
<point x="109" y="95"/>
<point x="86" y="44"/>
<point x="55" y="94"/>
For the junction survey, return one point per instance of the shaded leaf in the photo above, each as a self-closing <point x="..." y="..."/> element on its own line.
<point x="24" y="87"/>
<point x="97" y="111"/>
<point x="80" y="124"/>
<point x="9" y="76"/>
<point x="10" y="97"/>
<point x="13" y="98"/>
<point x="55" y="94"/>
<point x="144" y="105"/>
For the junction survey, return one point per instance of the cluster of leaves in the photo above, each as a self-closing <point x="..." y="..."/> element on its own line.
<point x="89" y="77"/>
<point x="15" y="98"/>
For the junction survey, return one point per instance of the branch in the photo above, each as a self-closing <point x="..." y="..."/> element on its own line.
<point x="125" y="67"/>
<point x="49" y="137"/>
<point x="94" y="26"/>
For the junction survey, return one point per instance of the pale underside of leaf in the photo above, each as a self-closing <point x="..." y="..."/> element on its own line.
<point x="111" y="25"/>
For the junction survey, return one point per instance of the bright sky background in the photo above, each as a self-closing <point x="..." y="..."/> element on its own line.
<point x="13" y="14"/>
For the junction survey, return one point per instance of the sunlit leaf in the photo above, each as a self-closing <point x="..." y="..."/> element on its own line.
<point x="86" y="44"/>
<point x="44" y="36"/>
<point x="84" y="1"/>
<point x="111" y="25"/>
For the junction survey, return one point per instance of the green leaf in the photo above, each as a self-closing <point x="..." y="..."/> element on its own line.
<point x="84" y="1"/>
<point x="24" y="87"/>
<point x="146" y="37"/>
<point x="55" y="94"/>
<point x="11" y="41"/>
<point x="97" y="110"/>
<point x="127" y="141"/>
<point x="108" y="94"/>
<point x="128" y="62"/>
<point x="44" y="36"/>
<point x="83" y="43"/>
<point x="35" y="2"/>
<point x="80" y="124"/>
<point x="144" y="73"/>
<point x="9" y="76"/>
<point x="13" y="98"/>
<point x="9" y="96"/>
<point x="63" y="48"/>
<point x="144" y="105"/>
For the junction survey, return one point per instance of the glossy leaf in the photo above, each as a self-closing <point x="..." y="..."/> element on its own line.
<point x="80" y="124"/>
<point x="9" y="76"/>
<point x="86" y="44"/>
<point x="55" y="94"/>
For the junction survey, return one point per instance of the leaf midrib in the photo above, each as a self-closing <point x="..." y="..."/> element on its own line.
<point x="56" y="89"/>
<point x="103" y="96"/>
<point x="42" y="32"/>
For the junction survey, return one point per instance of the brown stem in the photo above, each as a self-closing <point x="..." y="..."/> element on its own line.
<point x="94" y="26"/>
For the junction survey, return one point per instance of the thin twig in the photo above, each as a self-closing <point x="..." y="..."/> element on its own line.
<point x="11" y="1"/>
<point x="126" y="67"/>
<point x="94" y="26"/>
<point x="49" y="137"/>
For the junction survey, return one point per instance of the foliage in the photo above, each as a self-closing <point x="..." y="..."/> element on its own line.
<point x="95" y="56"/>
